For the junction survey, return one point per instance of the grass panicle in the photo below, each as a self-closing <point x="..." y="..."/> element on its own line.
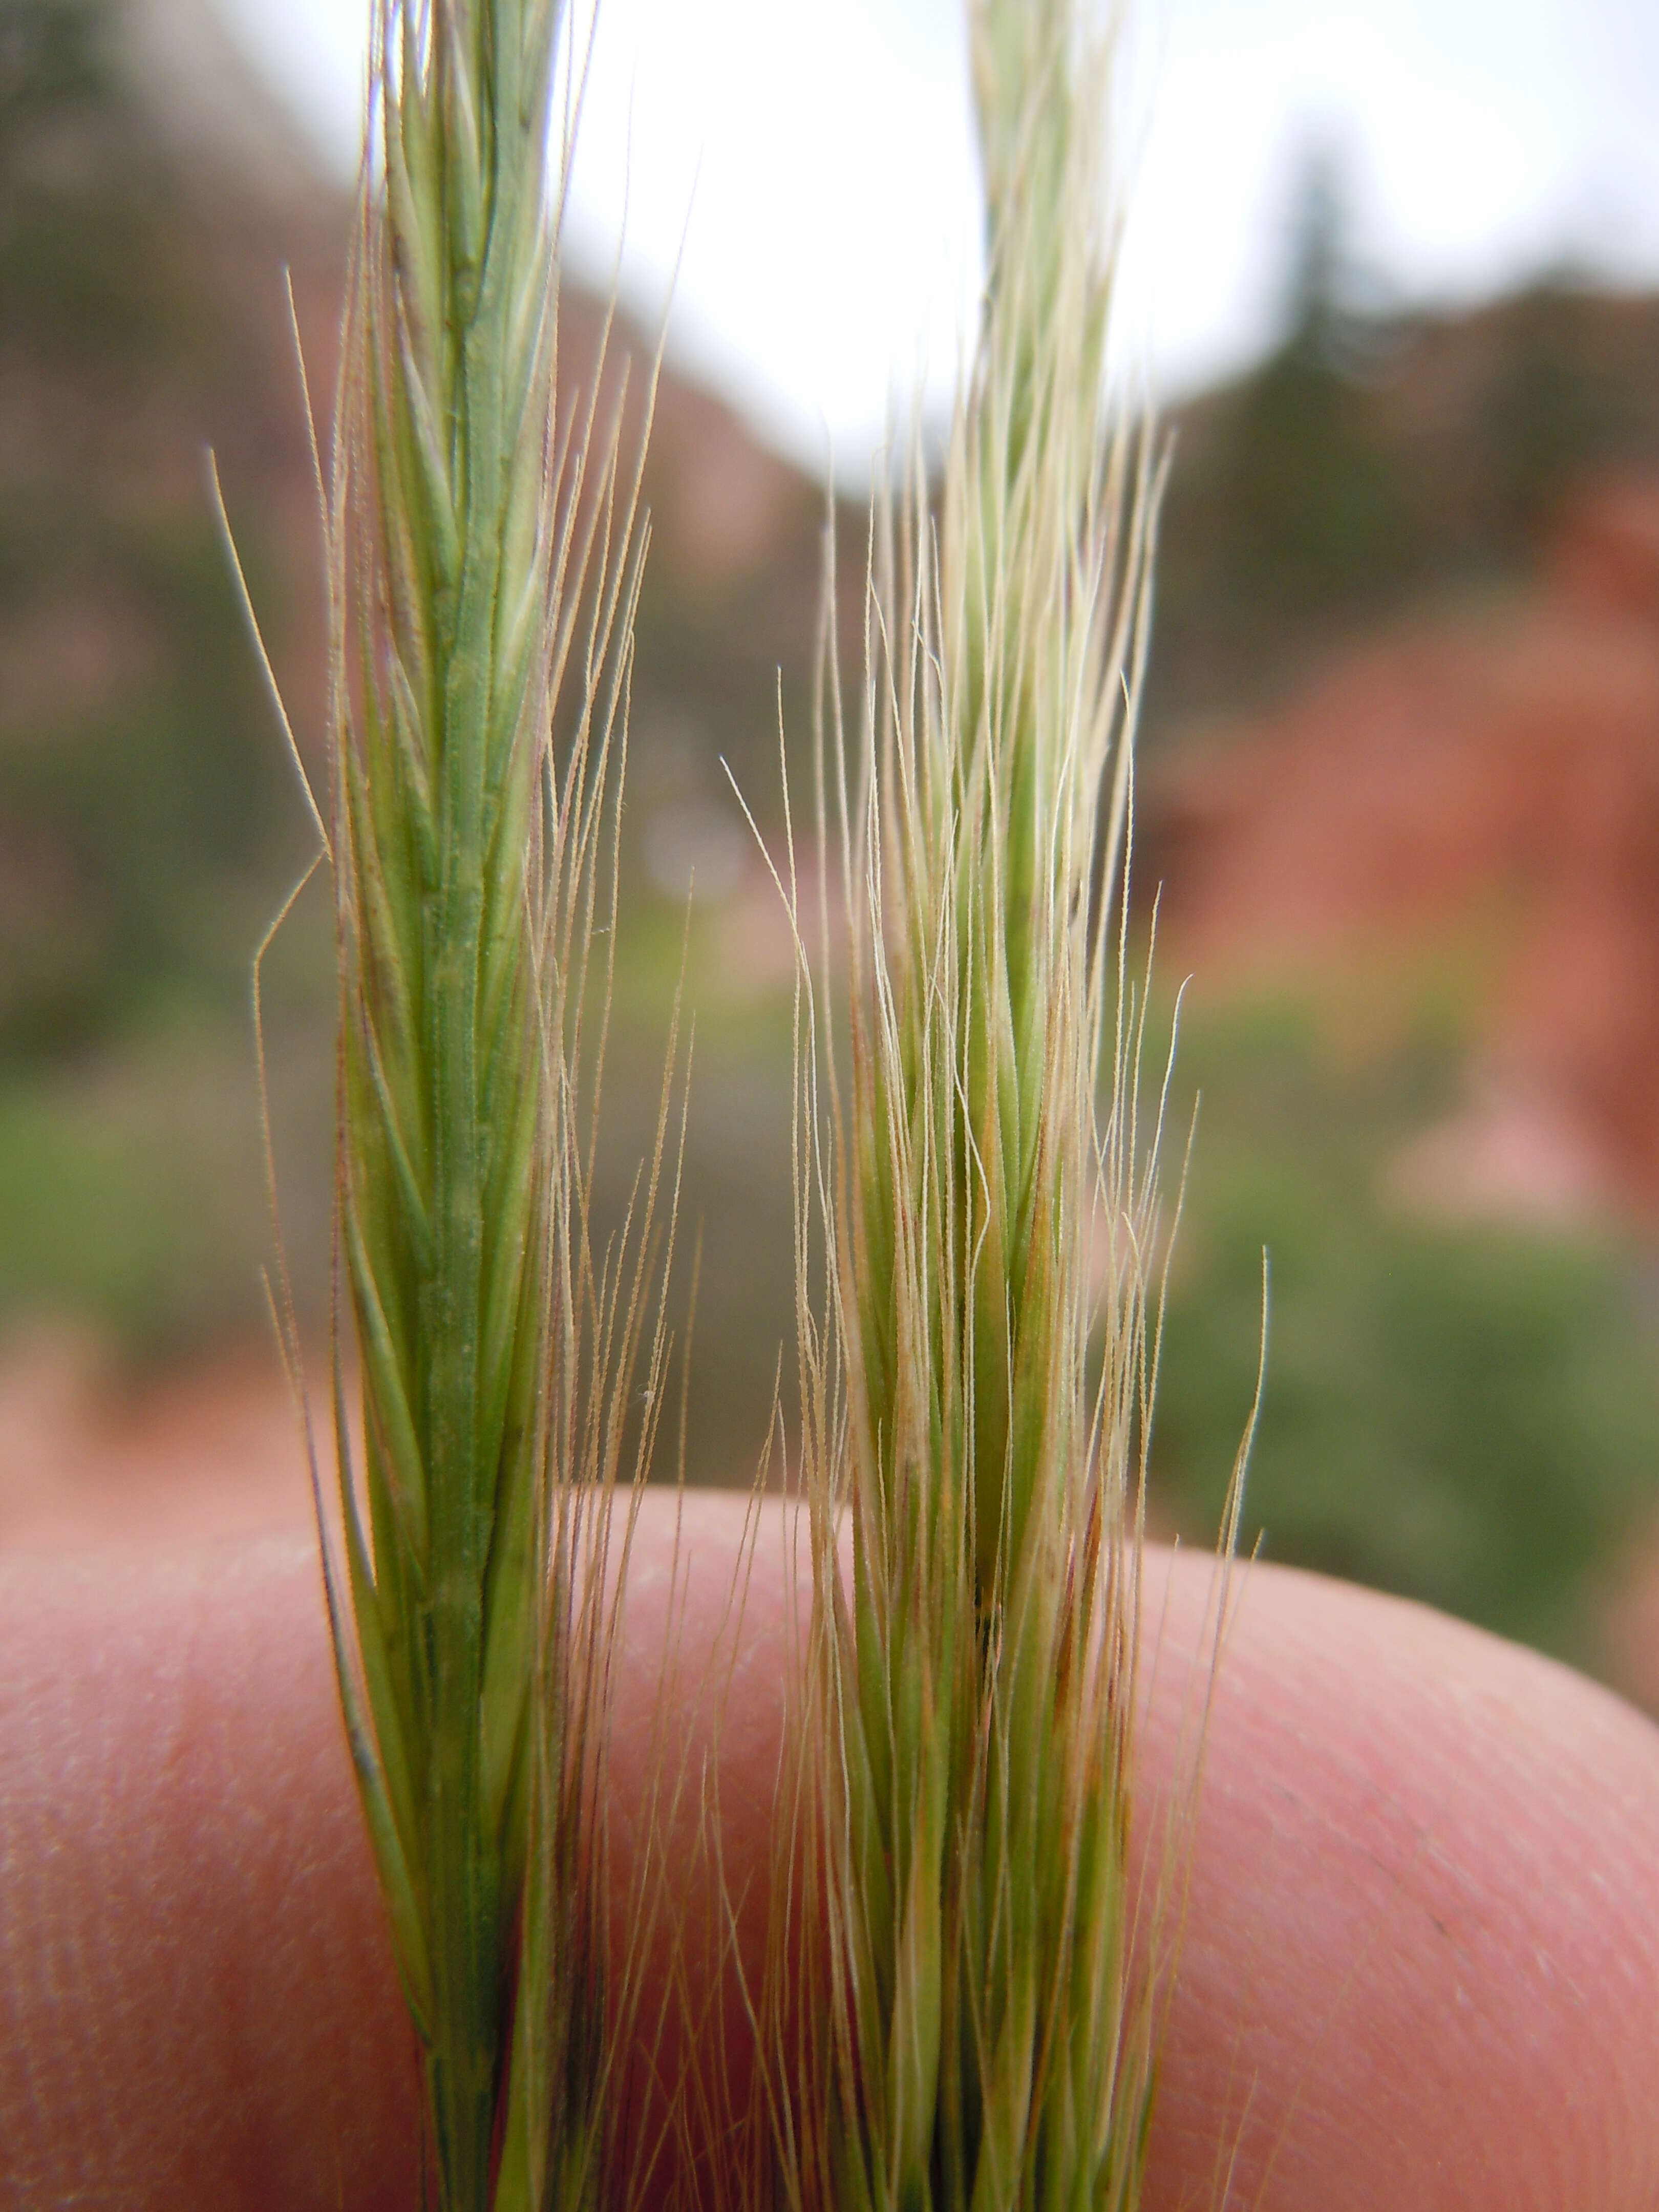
<point x="976" y="1365"/>
<point x="485" y="564"/>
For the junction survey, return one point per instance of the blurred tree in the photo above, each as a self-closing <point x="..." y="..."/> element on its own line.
<point x="1549" y="416"/>
<point x="1311" y="518"/>
<point x="50" y="61"/>
<point x="1318" y="321"/>
<point x="1376" y="456"/>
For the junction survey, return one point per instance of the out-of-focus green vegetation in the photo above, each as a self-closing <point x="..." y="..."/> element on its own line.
<point x="132" y="1190"/>
<point x="147" y="821"/>
<point x="1465" y="1414"/>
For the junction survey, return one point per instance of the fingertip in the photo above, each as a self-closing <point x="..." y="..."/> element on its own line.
<point x="197" y="1994"/>
<point x="1420" y="1963"/>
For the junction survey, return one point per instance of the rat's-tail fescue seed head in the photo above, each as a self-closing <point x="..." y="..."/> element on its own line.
<point x="975" y="1369"/>
<point x="484" y="567"/>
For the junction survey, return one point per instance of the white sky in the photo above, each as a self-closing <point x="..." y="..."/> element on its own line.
<point x="815" y="157"/>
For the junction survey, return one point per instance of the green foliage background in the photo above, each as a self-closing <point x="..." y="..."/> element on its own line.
<point x="1465" y="1414"/>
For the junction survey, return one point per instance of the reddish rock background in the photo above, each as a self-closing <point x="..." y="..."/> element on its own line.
<point x="1486" y="772"/>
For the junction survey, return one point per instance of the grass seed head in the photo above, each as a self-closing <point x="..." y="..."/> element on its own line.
<point x="975" y="1397"/>
<point x="485" y="568"/>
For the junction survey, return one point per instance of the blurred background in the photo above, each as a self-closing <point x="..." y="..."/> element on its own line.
<point x="1393" y="279"/>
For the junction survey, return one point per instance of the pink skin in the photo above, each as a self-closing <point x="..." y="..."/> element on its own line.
<point x="1420" y="1967"/>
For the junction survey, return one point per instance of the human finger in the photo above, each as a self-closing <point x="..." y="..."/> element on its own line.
<point x="1418" y="1966"/>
